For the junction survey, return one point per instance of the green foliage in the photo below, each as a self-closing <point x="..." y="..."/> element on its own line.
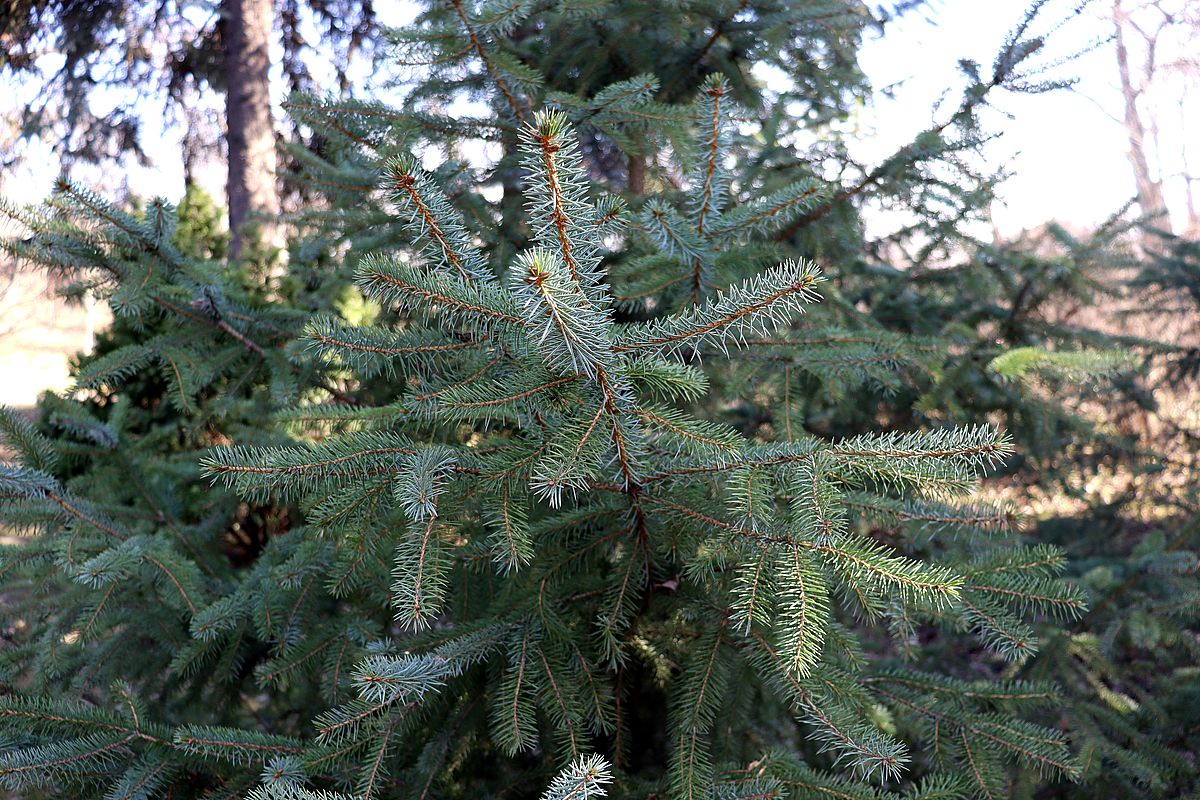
<point x="583" y="780"/>
<point x="598" y="487"/>
<point x="1025" y="362"/>
<point x="198" y="232"/>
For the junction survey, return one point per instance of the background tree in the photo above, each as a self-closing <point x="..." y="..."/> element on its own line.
<point x="1155" y="43"/>
<point x="507" y="499"/>
<point x="119" y="59"/>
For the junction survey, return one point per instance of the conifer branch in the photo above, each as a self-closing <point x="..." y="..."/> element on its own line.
<point x="17" y="433"/>
<point x="770" y="299"/>
<point x="231" y="744"/>
<point x="42" y="765"/>
<point x="292" y="470"/>
<point x="868" y="750"/>
<point x="754" y="589"/>
<point x="564" y="322"/>
<point x="712" y="180"/>
<point x="674" y="236"/>
<point x="694" y="713"/>
<point x="584" y="779"/>
<point x="775" y="209"/>
<point x="691" y="433"/>
<point x="547" y="138"/>
<point x="802" y="613"/>
<point x="433" y="218"/>
<point x="1042" y="748"/>
<point x="371" y="350"/>
<point x="562" y="710"/>
<point x="373" y="771"/>
<point x="419" y="575"/>
<point x="513" y="717"/>
<point x="512" y="547"/>
<point x="497" y="79"/>
<point x="414" y="289"/>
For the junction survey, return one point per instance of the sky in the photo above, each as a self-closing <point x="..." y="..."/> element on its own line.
<point x="1066" y="150"/>
<point x="1066" y="155"/>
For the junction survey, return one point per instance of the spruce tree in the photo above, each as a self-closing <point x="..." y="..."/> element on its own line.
<point x="1126" y="667"/>
<point x="582" y="486"/>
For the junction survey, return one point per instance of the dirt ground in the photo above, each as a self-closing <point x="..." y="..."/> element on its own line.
<point x="38" y="333"/>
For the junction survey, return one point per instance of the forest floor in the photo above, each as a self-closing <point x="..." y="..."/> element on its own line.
<point x="39" y="332"/>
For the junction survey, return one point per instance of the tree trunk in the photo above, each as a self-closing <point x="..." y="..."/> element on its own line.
<point x="637" y="176"/>
<point x="1149" y="188"/>
<point x="250" y="135"/>
<point x="1193" y="212"/>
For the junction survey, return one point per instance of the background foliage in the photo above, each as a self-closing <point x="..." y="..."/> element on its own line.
<point x="629" y="462"/>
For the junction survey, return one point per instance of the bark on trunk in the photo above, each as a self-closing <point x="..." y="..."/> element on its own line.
<point x="1193" y="212"/>
<point x="1149" y="189"/>
<point x="637" y="175"/>
<point x="250" y="135"/>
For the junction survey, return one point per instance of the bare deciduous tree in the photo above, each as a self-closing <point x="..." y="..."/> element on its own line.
<point x="1155" y="43"/>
